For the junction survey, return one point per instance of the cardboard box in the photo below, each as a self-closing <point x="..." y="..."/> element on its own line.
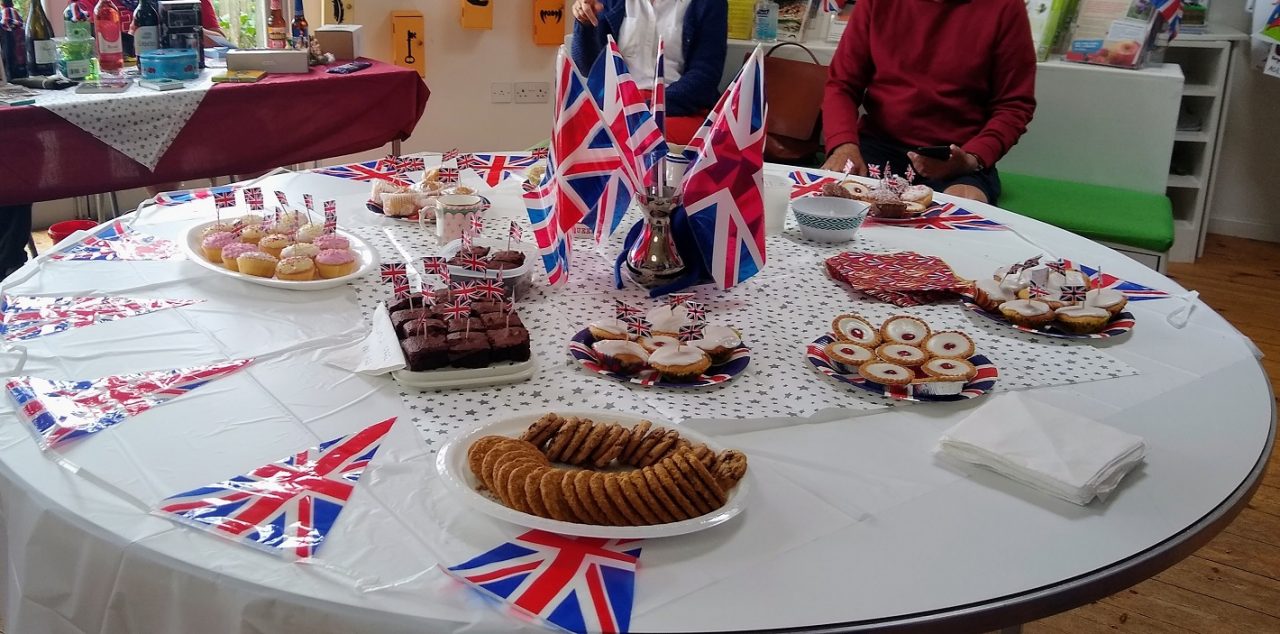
<point x="343" y="40"/>
<point x="273" y="61"/>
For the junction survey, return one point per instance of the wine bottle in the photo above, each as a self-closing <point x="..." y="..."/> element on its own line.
<point x="299" y="27"/>
<point x="42" y="53"/>
<point x="126" y="8"/>
<point x="276" y="27"/>
<point x="12" y="41"/>
<point x="146" y="28"/>
<point x="106" y="26"/>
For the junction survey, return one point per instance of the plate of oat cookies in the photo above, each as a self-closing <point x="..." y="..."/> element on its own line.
<point x="595" y="473"/>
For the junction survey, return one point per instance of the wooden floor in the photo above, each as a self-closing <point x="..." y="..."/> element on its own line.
<point x="1233" y="583"/>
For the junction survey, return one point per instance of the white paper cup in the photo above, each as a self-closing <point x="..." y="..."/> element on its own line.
<point x="777" y="196"/>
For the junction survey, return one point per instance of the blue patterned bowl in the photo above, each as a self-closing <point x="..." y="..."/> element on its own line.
<point x="829" y="219"/>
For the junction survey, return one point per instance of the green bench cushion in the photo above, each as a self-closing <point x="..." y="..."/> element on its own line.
<point x="1110" y="214"/>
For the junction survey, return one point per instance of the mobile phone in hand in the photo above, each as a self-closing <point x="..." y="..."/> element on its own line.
<point x="937" y="152"/>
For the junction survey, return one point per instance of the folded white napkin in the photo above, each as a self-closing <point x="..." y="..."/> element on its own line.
<point x="1059" y="452"/>
<point x="378" y="353"/>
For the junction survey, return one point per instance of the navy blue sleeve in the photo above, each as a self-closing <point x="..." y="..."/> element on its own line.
<point x="706" y="34"/>
<point x="589" y="41"/>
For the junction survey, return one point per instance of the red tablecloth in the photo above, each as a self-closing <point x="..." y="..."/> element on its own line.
<point x="238" y="129"/>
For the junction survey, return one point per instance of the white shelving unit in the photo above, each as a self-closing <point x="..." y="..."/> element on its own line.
<point x="1205" y="59"/>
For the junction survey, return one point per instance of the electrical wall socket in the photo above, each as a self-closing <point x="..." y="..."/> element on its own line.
<point x="533" y="92"/>
<point x="500" y="92"/>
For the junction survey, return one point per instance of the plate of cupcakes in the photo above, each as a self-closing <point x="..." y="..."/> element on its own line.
<point x="290" y="252"/>
<point x="902" y="358"/>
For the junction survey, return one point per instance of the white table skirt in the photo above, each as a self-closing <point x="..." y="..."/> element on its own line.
<point x="850" y="517"/>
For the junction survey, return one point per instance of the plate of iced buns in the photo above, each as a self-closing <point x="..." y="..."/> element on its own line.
<point x="1052" y="300"/>
<point x="292" y="252"/>
<point x="595" y="474"/>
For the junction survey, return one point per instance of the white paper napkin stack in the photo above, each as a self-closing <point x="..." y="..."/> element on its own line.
<point x="1061" y="453"/>
<point x="378" y="353"/>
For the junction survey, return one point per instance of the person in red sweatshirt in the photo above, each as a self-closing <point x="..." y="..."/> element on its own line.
<point x="954" y="73"/>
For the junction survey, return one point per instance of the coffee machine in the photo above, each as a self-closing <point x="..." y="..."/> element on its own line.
<point x="181" y="26"/>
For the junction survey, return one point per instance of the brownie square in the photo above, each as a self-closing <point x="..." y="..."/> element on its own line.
<point x="503" y="265"/>
<point x="509" y="344"/>
<point x="469" y="351"/>
<point x="513" y="257"/>
<point x="461" y="325"/>
<point x="413" y="301"/>
<point x="484" y="308"/>
<point x="426" y="353"/>
<point x="425" y="327"/>
<point x="401" y="317"/>
<point x="498" y="321"/>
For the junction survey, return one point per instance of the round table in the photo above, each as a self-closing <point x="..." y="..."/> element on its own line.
<point x="851" y="523"/>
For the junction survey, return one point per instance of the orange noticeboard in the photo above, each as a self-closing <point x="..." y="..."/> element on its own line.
<point x="407" y="48"/>
<point x="548" y="22"/>
<point x="477" y="14"/>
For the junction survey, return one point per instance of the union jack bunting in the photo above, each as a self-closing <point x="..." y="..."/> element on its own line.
<point x="223" y="200"/>
<point x="514" y="232"/>
<point x="287" y="507"/>
<point x="578" y="584"/>
<point x="495" y="168"/>
<point x="253" y="198"/>
<point x="459" y="308"/>
<point x="171" y="199"/>
<point x="676" y="299"/>
<point x="540" y="152"/>
<point x="464" y="160"/>
<point x="1133" y="290"/>
<point x="808" y="183"/>
<point x="942" y="217"/>
<point x="381" y="169"/>
<point x="626" y="115"/>
<point x="111" y="241"/>
<point x="448" y="175"/>
<point x="32" y="317"/>
<point x="63" y="411"/>
<point x="451" y="155"/>
<point x="722" y="188"/>
<point x="491" y="289"/>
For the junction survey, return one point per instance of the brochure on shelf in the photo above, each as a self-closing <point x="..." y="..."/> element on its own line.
<point x="1113" y="33"/>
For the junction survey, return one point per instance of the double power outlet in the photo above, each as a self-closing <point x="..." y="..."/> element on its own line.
<point x="520" y="92"/>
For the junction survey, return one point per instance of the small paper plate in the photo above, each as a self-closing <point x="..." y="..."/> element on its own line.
<point x="375" y="207"/>
<point x="980" y="384"/>
<point x="365" y="254"/>
<point x="581" y="351"/>
<point x="1119" y="325"/>
<point x="451" y="463"/>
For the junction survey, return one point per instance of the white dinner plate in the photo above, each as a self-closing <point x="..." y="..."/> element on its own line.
<point x="366" y="255"/>
<point x="451" y="463"/>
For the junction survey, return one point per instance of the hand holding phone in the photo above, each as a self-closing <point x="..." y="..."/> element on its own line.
<point x="936" y="152"/>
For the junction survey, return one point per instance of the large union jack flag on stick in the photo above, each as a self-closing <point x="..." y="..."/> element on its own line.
<point x="286" y="507"/>
<point x="62" y="411"/>
<point x="382" y="169"/>
<point x="31" y="317"/>
<point x="722" y="189"/>
<point x="626" y="115"/>
<point x="579" y="584"/>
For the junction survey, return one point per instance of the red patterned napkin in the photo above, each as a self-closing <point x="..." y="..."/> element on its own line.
<point x="903" y="279"/>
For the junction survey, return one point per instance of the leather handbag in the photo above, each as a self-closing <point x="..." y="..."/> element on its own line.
<point x="793" y="91"/>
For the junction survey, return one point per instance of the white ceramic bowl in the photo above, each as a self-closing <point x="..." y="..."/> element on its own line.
<point x="829" y="218"/>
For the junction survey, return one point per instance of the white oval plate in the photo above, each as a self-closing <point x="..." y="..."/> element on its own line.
<point x="451" y="463"/>
<point x="367" y="255"/>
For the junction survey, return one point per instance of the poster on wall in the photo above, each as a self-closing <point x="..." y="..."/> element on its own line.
<point x="477" y="14"/>
<point x="407" y="48"/>
<point x="548" y="22"/>
<point x="338" y="11"/>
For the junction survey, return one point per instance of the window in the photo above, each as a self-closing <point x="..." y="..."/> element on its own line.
<point x="239" y="20"/>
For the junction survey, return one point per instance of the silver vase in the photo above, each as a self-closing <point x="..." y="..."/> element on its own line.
<point x="653" y="259"/>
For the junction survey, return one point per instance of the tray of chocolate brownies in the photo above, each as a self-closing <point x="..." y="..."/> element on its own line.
<point x="450" y="341"/>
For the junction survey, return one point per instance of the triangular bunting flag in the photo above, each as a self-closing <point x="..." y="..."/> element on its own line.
<point x="31" y="317"/>
<point x="286" y="507"/>
<point x="1133" y="290"/>
<point x="580" y="584"/>
<point x="495" y="168"/>
<point x="112" y="241"/>
<point x="62" y="411"/>
<point x="183" y="196"/>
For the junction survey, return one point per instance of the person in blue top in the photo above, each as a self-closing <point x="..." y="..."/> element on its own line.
<point x="694" y="34"/>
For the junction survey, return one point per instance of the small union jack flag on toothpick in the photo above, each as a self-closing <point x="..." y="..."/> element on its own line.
<point x="448" y="175"/>
<point x="223" y="200"/>
<point x="676" y="299"/>
<point x="253" y="198"/>
<point x="476" y="224"/>
<point x="459" y="308"/>
<point x="473" y="262"/>
<point x="330" y="216"/>
<point x="491" y="289"/>
<point x="873" y="171"/>
<point x="463" y="289"/>
<point x="284" y="201"/>
<point x="393" y="269"/>
<point x="1058" y="267"/>
<point x="1073" y="293"/>
<point x="690" y="332"/>
<point x="911" y="174"/>
<point x="514" y="232"/>
<point x="309" y="202"/>
<point x="1037" y="291"/>
<point x="638" y="326"/>
<point x="697" y="311"/>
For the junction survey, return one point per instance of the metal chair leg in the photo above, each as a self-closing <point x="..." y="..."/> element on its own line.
<point x="31" y="247"/>
<point x="115" y="206"/>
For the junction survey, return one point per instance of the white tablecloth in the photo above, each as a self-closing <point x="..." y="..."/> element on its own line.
<point x="847" y="512"/>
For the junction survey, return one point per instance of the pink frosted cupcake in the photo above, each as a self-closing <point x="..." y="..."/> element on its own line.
<point x="333" y="263"/>
<point x="213" y="243"/>
<point x="233" y="251"/>
<point x="331" y="242"/>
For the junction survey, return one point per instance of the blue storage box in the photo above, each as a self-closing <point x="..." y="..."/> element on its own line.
<point x="170" y="63"/>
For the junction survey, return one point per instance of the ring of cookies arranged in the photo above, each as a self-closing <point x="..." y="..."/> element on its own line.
<point x="903" y="350"/>
<point x="576" y="470"/>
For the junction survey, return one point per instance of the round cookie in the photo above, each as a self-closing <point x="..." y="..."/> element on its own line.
<point x="637" y="499"/>
<point x="673" y="490"/>
<point x="502" y="477"/>
<point x="654" y="485"/>
<point x="620" y="500"/>
<point x="637" y="481"/>
<point x="542" y="430"/>
<point x="580" y="433"/>
<point x="610" y="447"/>
<point x="517" y="478"/>
<point x="686" y="487"/>
<point x="695" y="472"/>
<point x="498" y="455"/>
<point x="569" y="494"/>
<point x="660" y="449"/>
<point x="651" y="440"/>
<point x="533" y="492"/>
<point x="582" y="488"/>
<point x="634" y="436"/>
<point x="560" y="442"/>
<point x="601" y="496"/>
<point x="477" y="451"/>
<point x="549" y="487"/>
<point x="595" y="436"/>
<point x="730" y="466"/>
<point x="704" y="454"/>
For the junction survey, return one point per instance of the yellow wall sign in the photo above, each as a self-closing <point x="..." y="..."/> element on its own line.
<point x="339" y="11"/>
<point x="477" y="14"/>
<point x="407" y="47"/>
<point x="548" y="22"/>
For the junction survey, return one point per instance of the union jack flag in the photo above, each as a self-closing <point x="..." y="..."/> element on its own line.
<point x="722" y="189"/>
<point x="541" y="152"/>
<point x="394" y="270"/>
<point x="551" y="228"/>
<point x="1026" y="264"/>
<point x="223" y="200"/>
<point x="464" y="160"/>
<point x="435" y="264"/>
<point x="490" y="289"/>
<point x="171" y="199"/>
<point x="465" y="290"/>
<point x="831" y="6"/>
<point x="309" y="202"/>
<point x="253" y="198"/>
<point x="638" y="325"/>
<point x="580" y="584"/>
<point x="476" y="224"/>
<point x="808" y="183"/>
<point x="287" y="507"/>
<point x="111" y="241"/>
<point x="873" y="171"/>
<point x="942" y="217"/>
<point x="32" y="317"/>
<point x="659" y="107"/>
<point x="911" y="174"/>
<point x="381" y="169"/>
<point x="626" y="115"/>
<point x="1133" y="290"/>
<point x="1073" y="293"/>
<point x="282" y="199"/>
<point x="676" y="299"/>
<point x="451" y="155"/>
<point x="1171" y="11"/>
<point x="1037" y="291"/>
<point x="690" y="332"/>
<point x="473" y="262"/>
<point x="696" y="311"/>
<point x="459" y="308"/>
<point x="1059" y="267"/>
<point x="62" y="411"/>
<point x="514" y="232"/>
<point x="330" y="216"/>
<point x="448" y="175"/>
<point x="495" y="168"/>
